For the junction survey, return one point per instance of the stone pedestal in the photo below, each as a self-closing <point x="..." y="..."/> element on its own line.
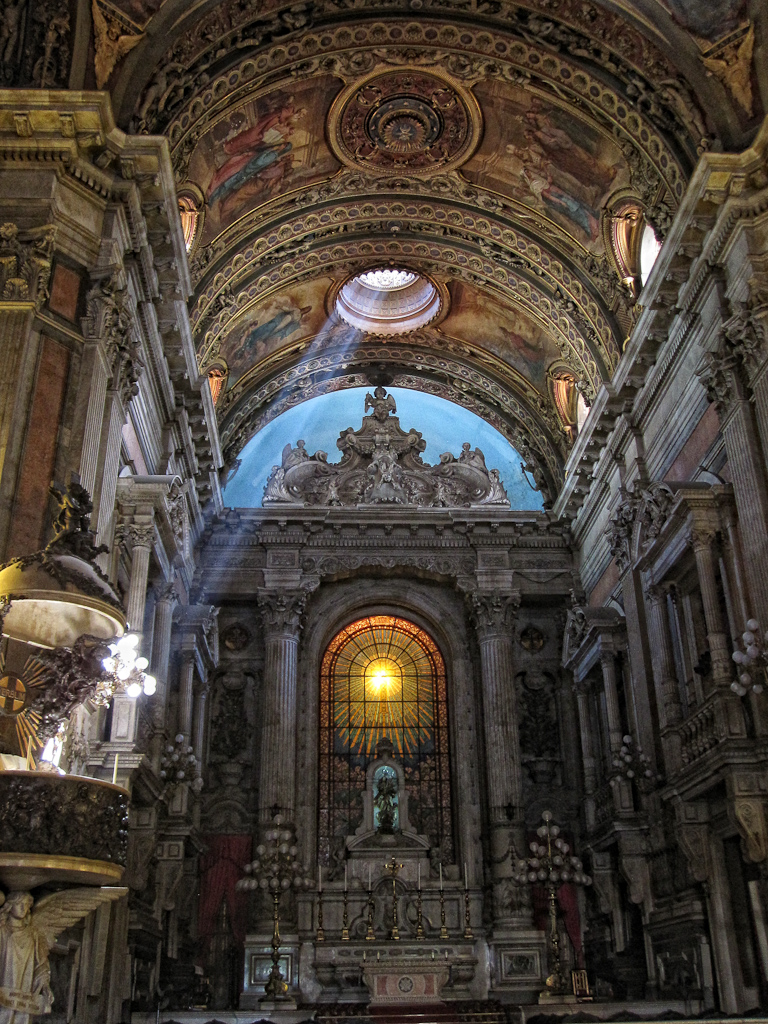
<point x="519" y="965"/>
<point x="258" y="964"/>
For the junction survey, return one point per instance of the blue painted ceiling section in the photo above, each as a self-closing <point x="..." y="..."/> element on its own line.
<point x="320" y="421"/>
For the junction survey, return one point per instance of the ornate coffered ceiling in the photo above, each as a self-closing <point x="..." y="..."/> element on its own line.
<point x="492" y="146"/>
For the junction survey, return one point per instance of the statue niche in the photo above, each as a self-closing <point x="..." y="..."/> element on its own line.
<point x="386" y="817"/>
<point x="385" y="809"/>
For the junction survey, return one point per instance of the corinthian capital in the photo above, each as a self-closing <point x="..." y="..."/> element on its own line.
<point x="25" y="263"/>
<point x="282" y="611"/>
<point x="744" y="334"/>
<point x="721" y="375"/>
<point x="492" y="614"/>
<point x="141" y="534"/>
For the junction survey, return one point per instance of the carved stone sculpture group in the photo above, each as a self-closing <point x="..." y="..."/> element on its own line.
<point x="381" y="465"/>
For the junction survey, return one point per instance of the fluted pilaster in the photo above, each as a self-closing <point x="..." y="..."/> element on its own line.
<point x="282" y="615"/>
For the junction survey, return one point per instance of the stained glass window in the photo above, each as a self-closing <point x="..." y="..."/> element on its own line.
<point x="383" y="676"/>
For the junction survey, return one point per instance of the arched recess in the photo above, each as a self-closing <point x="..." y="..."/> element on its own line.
<point x="432" y="604"/>
<point x="383" y="677"/>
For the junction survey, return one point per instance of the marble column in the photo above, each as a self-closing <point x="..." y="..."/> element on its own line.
<point x="125" y="719"/>
<point x="142" y="537"/>
<point x="186" y="696"/>
<point x="665" y="677"/>
<point x="493" y="615"/>
<point x="610" y="686"/>
<point x="702" y="540"/>
<point x="281" y="615"/>
<point x="588" y="761"/>
<point x="198" y="730"/>
<point x="161" y="645"/>
<point x="741" y="596"/>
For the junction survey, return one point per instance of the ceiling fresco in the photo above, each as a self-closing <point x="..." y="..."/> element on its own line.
<point x="711" y="19"/>
<point x="542" y="156"/>
<point x="505" y="331"/>
<point x="499" y="151"/>
<point x="267" y="146"/>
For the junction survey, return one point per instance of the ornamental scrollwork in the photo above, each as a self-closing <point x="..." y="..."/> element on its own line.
<point x="620" y="532"/>
<point x="110" y="320"/>
<point x="60" y="815"/>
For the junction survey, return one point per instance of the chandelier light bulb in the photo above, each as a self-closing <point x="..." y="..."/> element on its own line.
<point x="753" y="625"/>
<point x="133" y="689"/>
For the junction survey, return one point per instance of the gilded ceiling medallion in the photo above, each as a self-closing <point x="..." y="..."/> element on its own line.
<point x="400" y="121"/>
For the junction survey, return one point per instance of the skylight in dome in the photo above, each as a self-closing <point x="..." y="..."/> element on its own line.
<point x="387" y="279"/>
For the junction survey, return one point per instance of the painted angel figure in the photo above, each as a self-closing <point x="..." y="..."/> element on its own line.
<point x="111" y="46"/>
<point x="28" y="929"/>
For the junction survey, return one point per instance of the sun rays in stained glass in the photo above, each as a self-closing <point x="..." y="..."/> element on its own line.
<point x="383" y="676"/>
<point x="383" y="685"/>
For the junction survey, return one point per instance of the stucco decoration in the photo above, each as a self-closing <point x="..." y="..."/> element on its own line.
<point x="381" y="465"/>
<point x="404" y="120"/>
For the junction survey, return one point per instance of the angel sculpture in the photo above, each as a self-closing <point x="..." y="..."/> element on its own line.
<point x="381" y="403"/>
<point x="110" y="45"/>
<point x="28" y="929"/>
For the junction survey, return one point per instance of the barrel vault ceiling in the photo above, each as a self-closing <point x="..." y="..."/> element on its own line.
<point x="495" y="147"/>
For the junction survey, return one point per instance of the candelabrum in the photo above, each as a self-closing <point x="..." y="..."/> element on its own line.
<point x="179" y="764"/>
<point x="752" y="660"/>
<point x="467" y="922"/>
<point x="551" y="866"/>
<point x="276" y="869"/>
<point x="632" y="763"/>
<point x="127" y="670"/>
<point x="393" y="867"/>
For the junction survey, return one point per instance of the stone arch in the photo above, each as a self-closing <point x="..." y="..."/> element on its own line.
<point x="441" y="614"/>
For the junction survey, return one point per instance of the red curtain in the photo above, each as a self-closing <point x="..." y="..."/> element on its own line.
<point x="220" y="869"/>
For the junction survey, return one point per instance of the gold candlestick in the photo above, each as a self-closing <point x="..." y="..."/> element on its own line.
<point x="393" y="867"/>
<point x="345" y="920"/>
<point x="443" y="929"/>
<point x="369" y="935"/>
<point x="467" y="927"/>
<point x="419" y="929"/>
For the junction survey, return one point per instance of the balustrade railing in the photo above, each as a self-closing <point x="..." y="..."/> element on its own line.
<point x="699" y="733"/>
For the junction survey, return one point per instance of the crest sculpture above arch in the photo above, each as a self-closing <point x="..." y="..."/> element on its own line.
<point x="381" y="464"/>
